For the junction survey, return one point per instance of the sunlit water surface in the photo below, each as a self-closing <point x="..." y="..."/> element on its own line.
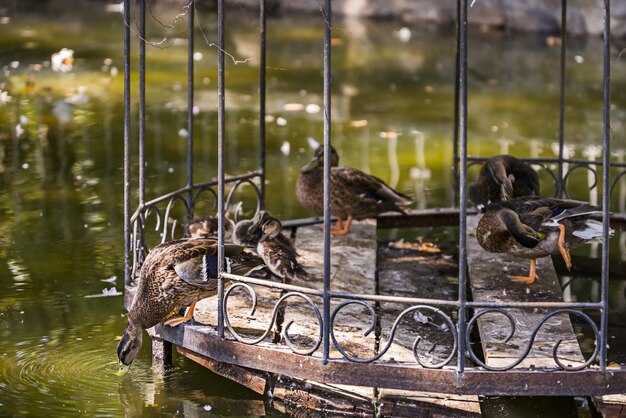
<point x="61" y="249"/>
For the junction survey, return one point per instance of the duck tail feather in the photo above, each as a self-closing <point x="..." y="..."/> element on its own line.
<point x="593" y="230"/>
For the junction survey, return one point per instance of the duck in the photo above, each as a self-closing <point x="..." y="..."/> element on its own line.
<point x="174" y="275"/>
<point x="274" y="248"/>
<point x="533" y="226"/>
<point x="242" y="235"/>
<point x="354" y="194"/>
<point x="206" y="227"/>
<point x="503" y="177"/>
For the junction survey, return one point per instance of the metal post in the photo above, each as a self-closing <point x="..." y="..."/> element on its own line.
<point x="606" y="191"/>
<point x="220" y="167"/>
<point x="190" y="101"/>
<point x="127" y="230"/>
<point x="327" y="145"/>
<point x="455" y="163"/>
<point x="560" y="186"/>
<point x="142" y="100"/>
<point x="462" y="123"/>
<point x="262" y="80"/>
<point x="139" y="240"/>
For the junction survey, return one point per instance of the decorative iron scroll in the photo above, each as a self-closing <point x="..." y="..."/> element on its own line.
<point x="167" y="225"/>
<point x="285" y="330"/>
<point x="561" y="185"/>
<point x="447" y="325"/>
<point x="531" y="340"/>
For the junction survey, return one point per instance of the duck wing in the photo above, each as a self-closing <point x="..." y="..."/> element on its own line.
<point x="195" y="260"/>
<point x="367" y="186"/>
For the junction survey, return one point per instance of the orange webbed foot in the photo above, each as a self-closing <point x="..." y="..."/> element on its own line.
<point x="563" y="247"/>
<point x="177" y="320"/>
<point x="340" y="231"/>
<point x="532" y="274"/>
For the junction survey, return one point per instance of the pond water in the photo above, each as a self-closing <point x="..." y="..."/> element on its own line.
<point x="61" y="258"/>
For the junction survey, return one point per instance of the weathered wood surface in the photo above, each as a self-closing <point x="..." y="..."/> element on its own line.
<point x="353" y="269"/>
<point x="489" y="275"/>
<point x="611" y="406"/>
<point x="412" y="273"/>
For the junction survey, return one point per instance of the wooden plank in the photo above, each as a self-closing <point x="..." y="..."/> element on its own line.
<point x="490" y="281"/>
<point x="611" y="406"/>
<point x="252" y="379"/>
<point x="396" y="403"/>
<point x="409" y="272"/>
<point x="353" y="268"/>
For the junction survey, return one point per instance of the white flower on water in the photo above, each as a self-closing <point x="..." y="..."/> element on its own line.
<point x="4" y="97"/>
<point x="19" y="131"/>
<point x="63" y="60"/>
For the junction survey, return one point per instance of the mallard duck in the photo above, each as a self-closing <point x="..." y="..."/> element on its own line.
<point x="274" y="248"/>
<point x="206" y="227"/>
<point x="503" y="177"/>
<point x="353" y="193"/>
<point x="173" y="276"/>
<point x="533" y="227"/>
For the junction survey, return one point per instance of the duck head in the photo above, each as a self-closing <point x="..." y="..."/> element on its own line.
<point x="129" y="345"/>
<point x="318" y="159"/>
<point x="265" y="226"/>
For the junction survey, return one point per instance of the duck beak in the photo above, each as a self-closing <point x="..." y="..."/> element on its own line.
<point x="310" y="166"/>
<point x="270" y="230"/>
<point x="123" y="369"/>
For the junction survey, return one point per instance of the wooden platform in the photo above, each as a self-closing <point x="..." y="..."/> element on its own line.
<point x="355" y="261"/>
<point x="362" y="265"/>
<point x="490" y="284"/>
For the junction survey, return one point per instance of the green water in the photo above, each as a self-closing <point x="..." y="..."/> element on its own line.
<point x="61" y="178"/>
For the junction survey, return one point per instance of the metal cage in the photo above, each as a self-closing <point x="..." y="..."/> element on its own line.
<point x="594" y="377"/>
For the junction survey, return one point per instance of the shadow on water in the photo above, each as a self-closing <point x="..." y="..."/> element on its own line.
<point x="61" y="168"/>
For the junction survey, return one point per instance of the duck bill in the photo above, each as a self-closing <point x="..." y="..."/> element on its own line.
<point x="270" y="230"/>
<point x="310" y="166"/>
<point x="123" y="369"/>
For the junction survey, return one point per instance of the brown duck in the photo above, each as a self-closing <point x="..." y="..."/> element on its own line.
<point x="533" y="227"/>
<point x="353" y="193"/>
<point x="503" y="177"/>
<point x="174" y="275"/>
<point x="276" y="250"/>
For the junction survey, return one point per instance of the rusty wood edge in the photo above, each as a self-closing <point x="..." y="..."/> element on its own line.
<point x="204" y="341"/>
<point x="286" y="389"/>
<point x="318" y="397"/>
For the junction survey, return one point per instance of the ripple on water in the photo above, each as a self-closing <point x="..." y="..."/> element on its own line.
<point x="60" y="376"/>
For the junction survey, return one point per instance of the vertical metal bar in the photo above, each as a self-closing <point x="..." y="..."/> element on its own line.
<point x="142" y="100"/>
<point x="455" y="163"/>
<point x="142" y="118"/>
<point x="127" y="230"/>
<point x="262" y="80"/>
<point x="327" y="148"/>
<point x="462" y="122"/>
<point x="559" y="186"/>
<point x="220" y="166"/>
<point x="606" y="197"/>
<point x="190" y="102"/>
